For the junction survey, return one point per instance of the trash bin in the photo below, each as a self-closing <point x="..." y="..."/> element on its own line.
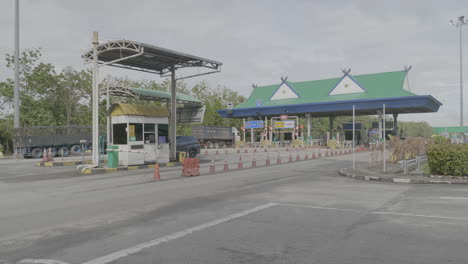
<point x="113" y="157"/>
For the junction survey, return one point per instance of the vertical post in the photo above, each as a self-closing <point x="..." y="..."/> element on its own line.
<point x="173" y="125"/>
<point x="354" y="132"/>
<point x="462" y="135"/>
<point x="379" y="113"/>
<point x="108" y="124"/>
<point x="308" y="125"/>
<point x="252" y="135"/>
<point x="95" y="100"/>
<point x="243" y="130"/>
<point x="395" y="125"/>
<point x="384" y="141"/>
<point x="266" y="128"/>
<point x="16" y="102"/>
<point x="330" y="120"/>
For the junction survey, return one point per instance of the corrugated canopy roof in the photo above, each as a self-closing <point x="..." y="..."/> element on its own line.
<point x="138" y="110"/>
<point x="145" y="57"/>
<point x="150" y="95"/>
<point x="458" y="129"/>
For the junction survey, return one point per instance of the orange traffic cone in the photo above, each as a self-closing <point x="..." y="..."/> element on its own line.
<point x="212" y="167"/>
<point x="156" y="176"/>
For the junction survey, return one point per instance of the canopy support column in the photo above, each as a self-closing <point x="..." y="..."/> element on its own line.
<point x="95" y="101"/>
<point x="309" y="124"/>
<point x="395" y="125"/>
<point x="330" y="129"/>
<point x="173" y="124"/>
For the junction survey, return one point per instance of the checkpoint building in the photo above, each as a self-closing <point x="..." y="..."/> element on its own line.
<point x="368" y="93"/>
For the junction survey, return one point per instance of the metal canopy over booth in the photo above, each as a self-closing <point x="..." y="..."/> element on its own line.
<point x="335" y="97"/>
<point x="143" y="57"/>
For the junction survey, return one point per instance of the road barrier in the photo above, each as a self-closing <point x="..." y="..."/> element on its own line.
<point x="191" y="167"/>
<point x="267" y="162"/>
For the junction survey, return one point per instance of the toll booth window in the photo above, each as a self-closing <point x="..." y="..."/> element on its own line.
<point x="149" y="134"/>
<point x="163" y="133"/>
<point x="135" y="132"/>
<point x="120" y="134"/>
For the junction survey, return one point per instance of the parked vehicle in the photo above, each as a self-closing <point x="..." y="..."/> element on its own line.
<point x="211" y="136"/>
<point x="30" y="142"/>
<point x="188" y="144"/>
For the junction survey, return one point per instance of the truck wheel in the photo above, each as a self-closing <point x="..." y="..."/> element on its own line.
<point x="193" y="153"/>
<point x="75" y="150"/>
<point x="37" y="153"/>
<point x="65" y="150"/>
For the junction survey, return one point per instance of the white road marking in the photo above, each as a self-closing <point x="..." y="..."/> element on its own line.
<point x="135" y="249"/>
<point x="318" y="207"/>
<point x="453" y="198"/>
<point x="419" y="215"/>
<point x="41" y="261"/>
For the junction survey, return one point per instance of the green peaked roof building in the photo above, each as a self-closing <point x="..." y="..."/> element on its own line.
<point x="336" y="96"/>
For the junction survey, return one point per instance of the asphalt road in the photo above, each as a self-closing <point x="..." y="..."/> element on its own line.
<point x="291" y="213"/>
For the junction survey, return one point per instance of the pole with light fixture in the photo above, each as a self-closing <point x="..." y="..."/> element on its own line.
<point x="459" y="23"/>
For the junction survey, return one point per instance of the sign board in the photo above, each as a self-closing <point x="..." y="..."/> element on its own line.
<point x="283" y="117"/>
<point x="254" y="124"/>
<point x="349" y="126"/>
<point x="388" y="125"/>
<point x="284" y="124"/>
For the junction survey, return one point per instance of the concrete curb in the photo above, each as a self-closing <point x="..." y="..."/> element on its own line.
<point x="63" y="163"/>
<point x="89" y="171"/>
<point x="343" y="172"/>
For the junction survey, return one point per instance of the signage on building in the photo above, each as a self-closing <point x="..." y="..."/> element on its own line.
<point x="254" y="124"/>
<point x="284" y="124"/>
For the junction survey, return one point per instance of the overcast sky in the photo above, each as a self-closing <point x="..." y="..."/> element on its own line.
<point x="260" y="41"/>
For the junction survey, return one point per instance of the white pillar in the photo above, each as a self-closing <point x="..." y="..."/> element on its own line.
<point x="173" y="123"/>
<point x="384" y="139"/>
<point x="95" y="101"/>
<point x="309" y="124"/>
<point x="354" y="132"/>
<point x="108" y="124"/>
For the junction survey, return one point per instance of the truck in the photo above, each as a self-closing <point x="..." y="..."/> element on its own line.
<point x="212" y="136"/>
<point x="30" y="142"/>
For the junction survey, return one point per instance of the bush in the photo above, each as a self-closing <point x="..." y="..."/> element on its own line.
<point x="407" y="148"/>
<point x="448" y="159"/>
<point x="440" y="140"/>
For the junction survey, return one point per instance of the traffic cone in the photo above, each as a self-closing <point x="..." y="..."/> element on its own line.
<point x="254" y="162"/>
<point x="278" y="159"/>
<point x="313" y="155"/>
<point x="319" y="154"/>
<point x="240" y="164"/>
<point x="267" y="162"/>
<point x="306" y="156"/>
<point x="326" y="153"/>
<point x="226" y="165"/>
<point x="44" y="156"/>
<point x="156" y="176"/>
<point x="212" y="167"/>
<point x="49" y="157"/>
<point x="290" y="157"/>
<point x="298" y="158"/>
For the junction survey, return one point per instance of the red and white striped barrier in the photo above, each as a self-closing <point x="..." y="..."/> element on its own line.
<point x="131" y="151"/>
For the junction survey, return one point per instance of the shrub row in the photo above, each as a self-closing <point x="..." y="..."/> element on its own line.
<point x="448" y="159"/>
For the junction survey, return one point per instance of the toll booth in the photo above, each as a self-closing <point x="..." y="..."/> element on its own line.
<point x="140" y="133"/>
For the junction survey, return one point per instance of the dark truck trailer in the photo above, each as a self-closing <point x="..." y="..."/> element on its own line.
<point x="30" y="142"/>
<point x="212" y="136"/>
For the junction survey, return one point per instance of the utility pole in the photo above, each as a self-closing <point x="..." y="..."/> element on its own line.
<point x="16" y="70"/>
<point x="95" y="100"/>
<point x="459" y="23"/>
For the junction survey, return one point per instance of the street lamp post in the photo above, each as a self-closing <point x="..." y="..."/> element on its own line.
<point x="459" y="23"/>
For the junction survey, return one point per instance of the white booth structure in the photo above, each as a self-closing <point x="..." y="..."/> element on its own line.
<point x="140" y="132"/>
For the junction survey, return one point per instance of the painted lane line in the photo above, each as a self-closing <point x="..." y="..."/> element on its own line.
<point x="135" y="249"/>
<point x="318" y="207"/>
<point x="41" y="261"/>
<point x="453" y="198"/>
<point x="419" y="215"/>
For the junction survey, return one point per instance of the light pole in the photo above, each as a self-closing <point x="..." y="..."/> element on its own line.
<point x="459" y="23"/>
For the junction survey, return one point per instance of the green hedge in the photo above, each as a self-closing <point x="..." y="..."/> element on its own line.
<point x="448" y="159"/>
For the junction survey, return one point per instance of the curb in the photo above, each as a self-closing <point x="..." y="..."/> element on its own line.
<point x="62" y="163"/>
<point x="343" y="172"/>
<point x="89" y="171"/>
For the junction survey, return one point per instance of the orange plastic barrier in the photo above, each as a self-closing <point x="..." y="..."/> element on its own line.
<point x="191" y="167"/>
